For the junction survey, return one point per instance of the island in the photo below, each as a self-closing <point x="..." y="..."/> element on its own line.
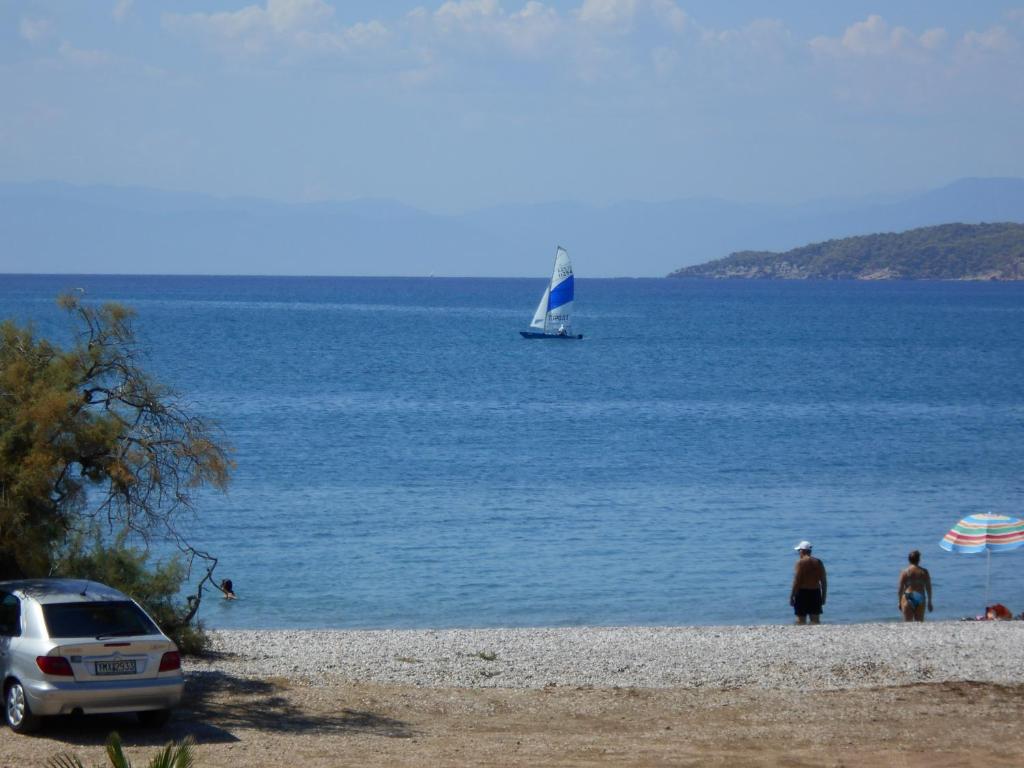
<point x="944" y="252"/>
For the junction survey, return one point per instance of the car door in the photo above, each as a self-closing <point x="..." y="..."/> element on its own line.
<point x="10" y="630"/>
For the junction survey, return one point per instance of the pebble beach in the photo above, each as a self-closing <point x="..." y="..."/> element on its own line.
<point x="933" y="695"/>
<point x="825" y="657"/>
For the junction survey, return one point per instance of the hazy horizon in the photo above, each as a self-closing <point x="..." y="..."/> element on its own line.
<point x="57" y="228"/>
<point x="878" y="198"/>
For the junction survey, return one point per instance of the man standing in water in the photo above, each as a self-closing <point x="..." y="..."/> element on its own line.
<point x="810" y="586"/>
<point x="915" y="586"/>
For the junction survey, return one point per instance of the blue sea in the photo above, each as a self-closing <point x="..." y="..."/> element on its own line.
<point x="405" y="459"/>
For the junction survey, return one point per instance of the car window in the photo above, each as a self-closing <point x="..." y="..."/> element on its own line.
<point x="99" y="620"/>
<point x="10" y="615"/>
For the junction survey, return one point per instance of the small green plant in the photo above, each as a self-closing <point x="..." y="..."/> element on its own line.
<point x="172" y="756"/>
<point x="487" y="655"/>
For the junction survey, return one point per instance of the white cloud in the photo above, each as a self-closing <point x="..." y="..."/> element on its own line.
<point x="34" y="30"/>
<point x="82" y="57"/>
<point x="287" y="15"/>
<point x="483" y="24"/>
<point x="931" y="39"/>
<point x="292" y="25"/>
<point x="871" y="37"/>
<point x="484" y="41"/>
<point x="122" y="9"/>
<point x="364" y="34"/>
<point x="874" y="39"/>
<point x="874" y="36"/>
<point x="875" y="65"/>
<point x="612" y="37"/>
<point x="760" y="35"/>
<point x="611" y="13"/>
<point x="993" y="40"/>
<point x="529" y="29"/>
<point x="466" y="11"/>
<point x="670" y="14"/>
<point x="288" y="28"/>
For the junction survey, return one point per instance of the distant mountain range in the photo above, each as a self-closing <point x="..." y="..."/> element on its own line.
<point x="946" y="252"/>
<point x="58" y="228"/>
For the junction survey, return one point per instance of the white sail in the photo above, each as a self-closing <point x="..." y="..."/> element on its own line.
<point x="542" y="310"/>
<point x="560" y="292"/>
<point x="552" y="315"/>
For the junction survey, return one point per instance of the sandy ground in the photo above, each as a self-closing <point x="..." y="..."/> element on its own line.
<point x="272" y="722"/>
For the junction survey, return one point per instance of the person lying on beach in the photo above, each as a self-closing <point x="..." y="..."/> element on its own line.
<point x="998" y="612"/>
<point x="915" y="586"/>
<point x="228" y="589"/>
<point x="810" y="586"/>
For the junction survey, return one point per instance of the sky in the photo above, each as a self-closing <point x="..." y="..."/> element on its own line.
<point x="459" y="105"/>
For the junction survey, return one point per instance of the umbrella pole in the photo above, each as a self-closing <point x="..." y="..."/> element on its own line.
<point x="988" y="573"/>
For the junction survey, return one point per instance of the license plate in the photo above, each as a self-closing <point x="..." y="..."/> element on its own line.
<point x="122" y="667"/>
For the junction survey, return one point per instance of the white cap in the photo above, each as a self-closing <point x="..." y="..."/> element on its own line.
<point x="803" y="546"/>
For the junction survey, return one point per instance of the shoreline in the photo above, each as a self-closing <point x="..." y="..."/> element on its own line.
<point x="774" y="657"/>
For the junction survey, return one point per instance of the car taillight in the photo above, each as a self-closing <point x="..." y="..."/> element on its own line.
<point x="54" y="665"/>
<point x="170" y="661"/>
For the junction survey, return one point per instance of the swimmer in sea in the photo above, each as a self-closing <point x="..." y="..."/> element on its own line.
<point x="915" y="589"/>
<point x="228" y="589"/>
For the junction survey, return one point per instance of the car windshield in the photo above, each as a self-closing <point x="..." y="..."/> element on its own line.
<point x="99" y="620"/>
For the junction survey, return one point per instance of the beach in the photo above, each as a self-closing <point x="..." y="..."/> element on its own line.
<point x="944" y="693"/>
<point x="825" y="657"/>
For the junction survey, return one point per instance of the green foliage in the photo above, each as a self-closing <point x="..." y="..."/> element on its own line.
<point x="88" y="441"/>
<point x="946" y="252"/>
<point x="155" y="587"/>
<point x="173" y="755"/>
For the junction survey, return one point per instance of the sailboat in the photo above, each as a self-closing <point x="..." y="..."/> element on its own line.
<point x="551" y="320"/>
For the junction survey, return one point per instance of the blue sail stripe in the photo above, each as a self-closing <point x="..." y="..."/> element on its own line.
<point x="561" y="294"/>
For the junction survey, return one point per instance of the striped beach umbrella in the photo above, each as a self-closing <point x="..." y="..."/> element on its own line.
<point x="986" y="533"/>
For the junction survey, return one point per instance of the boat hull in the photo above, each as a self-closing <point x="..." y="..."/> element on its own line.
<point x="535" y="335"/>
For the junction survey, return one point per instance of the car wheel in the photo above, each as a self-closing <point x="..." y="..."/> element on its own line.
<point x="154" y="718"/>
<point x="17" y="711"/>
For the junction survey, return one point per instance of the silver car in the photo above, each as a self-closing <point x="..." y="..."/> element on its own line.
<point x="69" y="646"/>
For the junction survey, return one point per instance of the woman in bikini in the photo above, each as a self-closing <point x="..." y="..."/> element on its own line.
<point x="915" y="588"/>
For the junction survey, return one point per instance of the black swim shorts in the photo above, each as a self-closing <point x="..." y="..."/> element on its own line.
<point x="808" y="602"/>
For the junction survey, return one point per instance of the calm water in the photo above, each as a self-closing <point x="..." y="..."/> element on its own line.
<point x="405" y="459"/>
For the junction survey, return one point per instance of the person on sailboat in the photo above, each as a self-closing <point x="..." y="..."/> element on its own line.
<point x="561" y="330"/>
